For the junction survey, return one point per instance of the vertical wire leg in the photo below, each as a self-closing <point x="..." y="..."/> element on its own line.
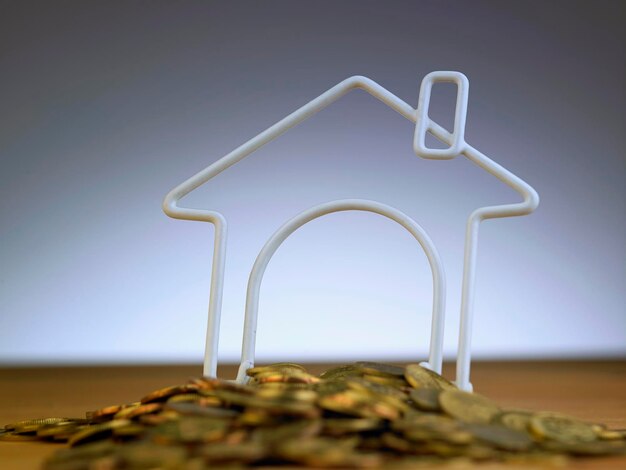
<point x="215" y="300"/>
<point x="463" y="363"/>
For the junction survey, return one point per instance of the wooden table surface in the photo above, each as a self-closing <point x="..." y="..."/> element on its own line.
<point x="593" y="391"/>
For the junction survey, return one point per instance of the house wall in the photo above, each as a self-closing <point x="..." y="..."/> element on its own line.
<point x="105" y="106"/>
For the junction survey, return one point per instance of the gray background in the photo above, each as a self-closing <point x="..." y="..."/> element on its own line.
<point x="105" y="106"/>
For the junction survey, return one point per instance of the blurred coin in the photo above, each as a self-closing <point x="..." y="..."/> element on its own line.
<point x="132" y="430"/>
<point x="10" y="436"/>
<point x="340" y="372"/>
<point x="587" y="448"/>
<point x="164" y="393"/>
<point x="421" y="377"/>
<point x="285" y="367"/>
<point x="298" y="395"/>
<point x="375" y="368"/>
<point x="143" y="455"/>
<point x="135" y="411"/>
<point x="361" y="384"/>
<point x="342" y="426"/>
<point x="190" y="429"/>
<point x="353" y="403"/>
<point x="610" y="434"/>
<point x="84" y="452"/>
<point x="387" y="380"/>
<point x="426" y="399"/>
<point x="301" y="429"/>
<point x="561" y="428"/>
<point x="187" y="397"/>
<point x="105" y="413"/>
<point x="286" y="376"/>
<point x="501" y="437"/>
<point x="325" y="452"/>
<point x="430" y="427"/>
<point x="61" y="431"/>
<point x="517" y="420"/>
<point x="195" y="409"/>
<point x="468" y="407"/>
<point x="242" y="453"/>
<point x="96" y="432"/>
<point x="31" y="425"/>
<point x="418" y="377"/>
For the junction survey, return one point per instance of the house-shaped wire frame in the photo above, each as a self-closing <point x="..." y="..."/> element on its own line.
<point x="456" y="146"/>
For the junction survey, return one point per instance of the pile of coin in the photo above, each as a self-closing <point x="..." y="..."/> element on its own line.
<point x="361" y="415"/>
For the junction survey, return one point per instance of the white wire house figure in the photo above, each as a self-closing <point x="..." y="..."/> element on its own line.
<point x="457" y="146"/>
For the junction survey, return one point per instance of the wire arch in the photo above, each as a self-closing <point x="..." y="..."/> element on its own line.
<point x="275" y="241"/>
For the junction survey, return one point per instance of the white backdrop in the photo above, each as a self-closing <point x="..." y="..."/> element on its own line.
<point x="107" y="107"/>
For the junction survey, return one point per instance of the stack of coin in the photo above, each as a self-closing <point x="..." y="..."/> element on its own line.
<point x="361" y="415"/>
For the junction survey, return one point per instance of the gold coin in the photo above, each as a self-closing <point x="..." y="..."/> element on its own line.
<point x="388" y="380"/>
<point x="195" y="409"/>
<point x="517" y="420"/>
<point x="340" y="372"/>
<point x="341" y="426"/>
<point x="330" y="387"/>
<point x="610" y="434"/>
<point x="586" y="448"/>
<point x="129" y="431"/>
<point x="156" y="419"/>
<point x="354" y="403"/>
<point x="96" y="431"/>
<point x="144" y="455"/>
<point x="190" y="429"/>
<point x="426" y="399"/>
<point x="31" y="425"/>
<point x="244" y="452"/>
<point x="139" y="410"/>
<point x="379" y="392"/>
<point x="468" y="407"/>
<point x="500" y="436"/>
<point x="418" y="377"/>
<point x="185" y="397"/>
<point x="295" y="394"/>
<point x="272" y="406"/>
<point x="399" y="444"/>
<point x="326" y="452"/>
<point x="164" y="393"/>
<point x="284" y="367"/>
<point x="62" y="430"/>
<point x="104" y="413"/>
<point x="561" y="428"/>
<point x="375" y="368"/>
<point x="11" y="436"/>
<point x="300" y="429"/>
<point x="348" y="402"/>
<point x="427" y="427"/>
<point x="86" y="453"/>
<point x="421" y="377"/>
<point x="283" y="376"/>
<point x="206" y="385"/>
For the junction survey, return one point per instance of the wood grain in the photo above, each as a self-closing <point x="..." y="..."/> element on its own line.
<point x="591" y="390"/>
